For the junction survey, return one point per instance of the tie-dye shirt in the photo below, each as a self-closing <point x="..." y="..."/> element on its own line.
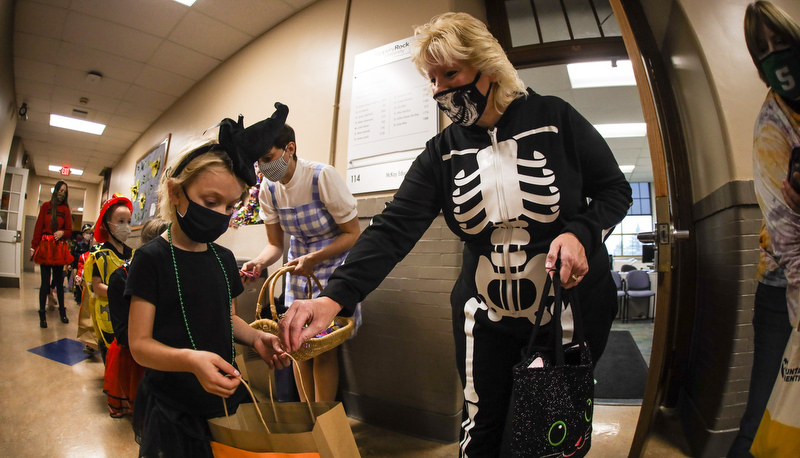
<point x="776" y="133"/>
<point x="769" y="272"/>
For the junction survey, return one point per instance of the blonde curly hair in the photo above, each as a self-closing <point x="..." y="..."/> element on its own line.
<point x="452" y="37"/>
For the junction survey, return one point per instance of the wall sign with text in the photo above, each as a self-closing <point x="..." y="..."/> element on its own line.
<point x="392" y="115"/>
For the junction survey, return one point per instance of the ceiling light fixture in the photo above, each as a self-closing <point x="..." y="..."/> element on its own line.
<point x="76" y="124"/>
<point x="186" y="2"/>
<point x="601" y="74"/>
<point x="627" y="168"/>
<point x="632" y="129"/>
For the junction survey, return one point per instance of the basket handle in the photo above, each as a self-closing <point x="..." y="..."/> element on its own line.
<point x="269" y="286"/>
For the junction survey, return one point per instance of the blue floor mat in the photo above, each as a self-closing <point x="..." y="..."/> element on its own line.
<point x="65" y="351"/>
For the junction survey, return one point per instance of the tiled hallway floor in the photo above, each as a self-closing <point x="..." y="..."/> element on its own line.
<point x="53" y="409"/>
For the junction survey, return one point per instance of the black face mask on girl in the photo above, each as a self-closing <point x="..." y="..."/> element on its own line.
<point x="463" y="104"/>
<point x="202" y="224"/>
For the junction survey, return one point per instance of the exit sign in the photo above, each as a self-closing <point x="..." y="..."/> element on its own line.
<point x="65" y="170"/>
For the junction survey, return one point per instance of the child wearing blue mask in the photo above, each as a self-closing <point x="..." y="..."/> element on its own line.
<point x="182" y="325"/>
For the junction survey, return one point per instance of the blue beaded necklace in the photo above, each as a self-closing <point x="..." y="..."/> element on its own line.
<point x="180" y="296"/>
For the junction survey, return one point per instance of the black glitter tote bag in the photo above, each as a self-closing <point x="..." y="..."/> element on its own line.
<point x="553" y="393"/>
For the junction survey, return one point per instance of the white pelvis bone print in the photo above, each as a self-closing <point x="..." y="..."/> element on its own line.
<point x="507" y="281"/>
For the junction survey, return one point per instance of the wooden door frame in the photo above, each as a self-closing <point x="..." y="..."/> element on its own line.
<point x="671" y="181"/>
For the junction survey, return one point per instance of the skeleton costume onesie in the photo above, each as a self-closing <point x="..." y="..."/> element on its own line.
<point x="506" y="193"/>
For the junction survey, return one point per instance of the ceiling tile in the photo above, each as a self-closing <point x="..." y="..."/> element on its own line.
<point x="163" y="81"/>
<point x="105" y="36"/>
<point x="121" y="134"/>
<point x="39" y="19"/>
<point x="57" y="42"/>
<point x="143" y="113"/>
<point x="146" y="97"/>
<point x="107" y="149"/>
<point x="155" y="17"/>
<point x="627" y="156"/>
<point x="76" y="79"/>
<point x="627" y="143"/>
<point x="96" y="104"/>
<point x="209" y="36"/>
<point x="183" y="61"/>
<point x="621" y="96"/>
<point x="109" y="65"/>
<point x="26" y="87"/>
<point x="611" y="114"/>
<point x="252" y="17"/>
<point x="134" y="124"/>
<point x="36" y="47"/>
<point x="35" y="70"/>
<point x="546" y="80"/>
<point x="35" y="105"/>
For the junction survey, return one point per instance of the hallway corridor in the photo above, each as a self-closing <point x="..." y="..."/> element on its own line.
<point x="53" y="405"/>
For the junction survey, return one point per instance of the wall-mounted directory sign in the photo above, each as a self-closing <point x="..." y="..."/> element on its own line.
<point x="392" y="115"/>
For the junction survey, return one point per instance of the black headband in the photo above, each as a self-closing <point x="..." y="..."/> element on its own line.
<point x="243" y="146"/>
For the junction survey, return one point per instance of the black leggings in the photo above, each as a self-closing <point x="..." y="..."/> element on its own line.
<point x="44" y="289"/>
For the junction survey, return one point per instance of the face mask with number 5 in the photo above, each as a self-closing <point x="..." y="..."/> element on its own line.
<point x="782" y="71"/>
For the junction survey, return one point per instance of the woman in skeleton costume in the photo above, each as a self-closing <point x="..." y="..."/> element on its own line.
<point x="522" y="179"/>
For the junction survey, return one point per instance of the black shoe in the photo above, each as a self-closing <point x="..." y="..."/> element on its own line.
<point x="42" y="319"/>
<point x="63" y="312"/>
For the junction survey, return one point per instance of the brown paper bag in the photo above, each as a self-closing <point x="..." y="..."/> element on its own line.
<point x="86" y="332"/>
<point x="329" y="435"/>
<point x="224" y="451"/>
<point x="288" y="427"/>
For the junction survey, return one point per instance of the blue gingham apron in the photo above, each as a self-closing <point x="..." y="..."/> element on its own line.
<point x="311" y="228"/>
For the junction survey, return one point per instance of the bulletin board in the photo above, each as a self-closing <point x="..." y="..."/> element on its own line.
<point x="144" y="192"/>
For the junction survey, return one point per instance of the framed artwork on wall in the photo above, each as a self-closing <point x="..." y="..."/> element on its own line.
<point x="147" y="175"/>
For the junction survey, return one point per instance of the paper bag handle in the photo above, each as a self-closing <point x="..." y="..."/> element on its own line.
<point x="272" y="401"/>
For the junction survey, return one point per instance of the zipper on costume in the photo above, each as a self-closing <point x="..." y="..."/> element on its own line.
<point x="509" y="231"/>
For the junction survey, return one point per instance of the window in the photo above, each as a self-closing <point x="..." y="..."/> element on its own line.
<point x="623" y="241"/>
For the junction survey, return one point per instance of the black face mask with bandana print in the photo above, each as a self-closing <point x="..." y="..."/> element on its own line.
<point x="463" y="104"/>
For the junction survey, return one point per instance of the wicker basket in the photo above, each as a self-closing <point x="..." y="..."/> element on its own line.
<point x="315" y="345"/>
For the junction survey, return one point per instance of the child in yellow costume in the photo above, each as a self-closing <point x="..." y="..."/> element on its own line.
<point x="112" y="230"/>
<point x="87" y="329"/>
